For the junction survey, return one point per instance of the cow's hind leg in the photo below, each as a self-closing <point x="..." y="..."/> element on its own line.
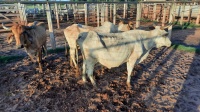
<point x="39" y="59"/>
<point x="90" y="68"/>
<point x="72" y="57"/>
<point x="45" y="48"/>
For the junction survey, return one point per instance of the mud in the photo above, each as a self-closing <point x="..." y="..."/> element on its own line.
<point x="168" y="80"/>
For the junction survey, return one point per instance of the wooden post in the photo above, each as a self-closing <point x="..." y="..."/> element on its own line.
<point x="49" y="19"/>
<point x="106" y="12"/>
<point x="57" y="16"/>
<point x="102" y="13"/>
<point x="110" y="12"/>
<point x="198" y="16"/>
<point x="74" y="11"/>
<point x="171" y="18"/>
<point x="20" y="12"/>
<point x="125" y="9"/>
<point x="190" y="13"/>
<point x="98" y="15"/>
<point x="114" y="14"/>
<point x="154" y="11"/>
<point x="182" y="13"/>
<point x="164" y="15"/>
<point x="138" y="17"/>
<point x="24" y="13"/>
<point x="86" y="13"/>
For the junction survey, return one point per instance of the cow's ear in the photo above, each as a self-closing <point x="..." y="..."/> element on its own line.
<point x="10" y="38"/>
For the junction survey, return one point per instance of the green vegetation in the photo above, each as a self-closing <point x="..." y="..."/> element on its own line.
<point x="185" y="25"/>
<point x="185" y="48"/>
<point x="7" y="59"/>
<point x="57" y="50"/>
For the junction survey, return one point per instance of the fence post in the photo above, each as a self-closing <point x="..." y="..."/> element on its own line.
<point x="182" y="13"/>
<point x="97" y="15"/>
<point x="114" y="14"/>
<point x="110" y="12"/>
<point x="102" y="13"/>
<point x="138" y="16"/>
<point x="171" y="18"/>
<point x="164" y="15"/>
<point x="22" y="13"/>
<point x="198" y="16"/>
<point x="154" y="11"/>
<point x="49" y="19"/>
<point x="86" y="13"/>
<point x="106" y="12"/>
<point x="125" y="10"/>
<point x="57" y="16"/>
<point x="190" y="13"/>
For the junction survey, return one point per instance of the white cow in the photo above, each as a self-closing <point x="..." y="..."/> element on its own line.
<point x="71" y="34"/>
<point x="114" y="49"/>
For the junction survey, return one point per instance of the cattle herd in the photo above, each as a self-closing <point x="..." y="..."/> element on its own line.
<point x="110" y="45"/>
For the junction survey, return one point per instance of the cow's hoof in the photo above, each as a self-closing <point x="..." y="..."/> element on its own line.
<point x="129" y="86"/>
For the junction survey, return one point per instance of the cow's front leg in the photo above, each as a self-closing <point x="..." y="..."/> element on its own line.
<point x="31" y="57"/>
<point x="84" y="71"/>
<point x="39" y="59"/>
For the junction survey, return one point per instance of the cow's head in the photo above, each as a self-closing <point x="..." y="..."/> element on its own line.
<point x="131" y="25"/>
<point x="161" y="35"/>
<point x="19" y="33"/>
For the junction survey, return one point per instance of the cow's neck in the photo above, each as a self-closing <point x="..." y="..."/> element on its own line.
<point x="148" y="39"/>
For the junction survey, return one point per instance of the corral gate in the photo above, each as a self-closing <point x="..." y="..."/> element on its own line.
<point x="12" y="13"/>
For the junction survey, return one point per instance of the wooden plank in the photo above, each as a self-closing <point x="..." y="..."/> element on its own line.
<point x="12" y="14"/>
<point x="49" y="19"/>
<point x="8" y="10"/>
<point x="6" y="20"/>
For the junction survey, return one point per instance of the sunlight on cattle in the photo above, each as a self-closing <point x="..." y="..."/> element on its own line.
<point x="114" y="49"/>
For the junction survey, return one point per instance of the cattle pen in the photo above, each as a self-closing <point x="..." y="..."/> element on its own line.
<point x="168" y="80"/>
<point x="95" y="13"/>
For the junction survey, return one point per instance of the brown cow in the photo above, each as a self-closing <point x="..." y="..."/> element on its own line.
<point x="32" y="38"/>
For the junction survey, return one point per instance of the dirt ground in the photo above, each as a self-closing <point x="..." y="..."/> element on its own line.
<point x="168" y="80"/>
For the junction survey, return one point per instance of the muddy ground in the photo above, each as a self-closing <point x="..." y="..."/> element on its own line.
<point x="168" y="80"/>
